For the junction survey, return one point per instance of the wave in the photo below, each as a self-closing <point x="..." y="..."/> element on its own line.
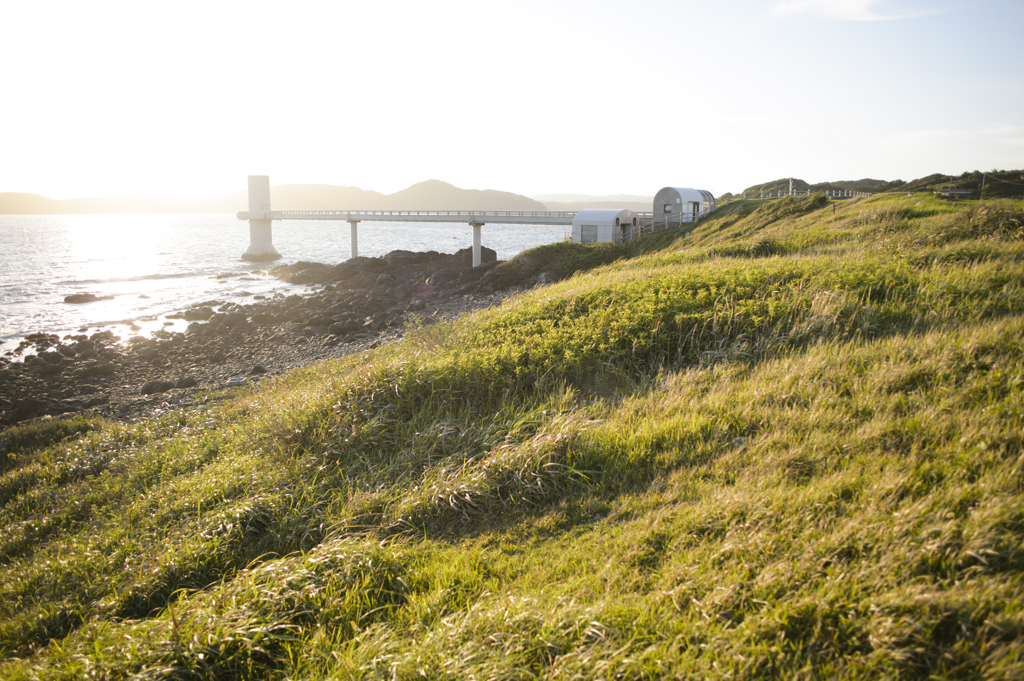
<point x="209" y="272"/>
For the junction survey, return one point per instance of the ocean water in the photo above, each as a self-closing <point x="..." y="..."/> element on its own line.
<point x="154" y="265"/>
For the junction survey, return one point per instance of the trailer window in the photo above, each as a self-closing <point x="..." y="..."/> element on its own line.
<point x="588" y="234"/>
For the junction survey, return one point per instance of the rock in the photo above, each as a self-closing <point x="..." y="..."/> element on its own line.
<point x="264" y="318"/>
<point x="486" y="255"/>
<point x="258" y="369"/>
<point x="399" y="256"/>
<point x="77" y="298"/>
<point x="186" y="382"/>
<point x="156" y="387"/>
<point x="196" y="314"/>
<point x="308" y="273"/>
<point x="234" y="318"/>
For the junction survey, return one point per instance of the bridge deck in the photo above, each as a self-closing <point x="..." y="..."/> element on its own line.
<point x="479" y="216"/>
<point x="511" y="217"/>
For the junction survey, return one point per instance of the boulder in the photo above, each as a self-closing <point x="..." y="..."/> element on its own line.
<point x="264" y="318"/>
<point x="77" y="298"/>
<point x="152" y="387"/>
<point x="197" y="314"/>
<point x="486" y="255"/>
<point x="307" y="273"/>
<point x="233" y="318"/>
<point x="344" y="327"/>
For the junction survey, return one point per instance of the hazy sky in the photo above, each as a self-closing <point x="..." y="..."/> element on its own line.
<point x="529" y="96"/>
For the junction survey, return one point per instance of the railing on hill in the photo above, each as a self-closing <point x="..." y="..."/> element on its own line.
<point x="649" y="223"/>
<point x="764" y="196"/>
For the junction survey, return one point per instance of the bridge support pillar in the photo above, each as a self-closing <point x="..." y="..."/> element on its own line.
<point x="476" y="243"/>
<point x="354" y="231"/>
<point x="261" y="242"/>
<point x="261" y="237"/>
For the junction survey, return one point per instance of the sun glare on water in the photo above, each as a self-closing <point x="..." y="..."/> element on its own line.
<point x="111" y="248"/>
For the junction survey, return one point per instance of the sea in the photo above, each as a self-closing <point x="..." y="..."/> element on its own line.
<point x="151" y="266"/>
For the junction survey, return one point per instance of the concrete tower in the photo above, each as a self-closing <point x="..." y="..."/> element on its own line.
<point x="261" y="238"/>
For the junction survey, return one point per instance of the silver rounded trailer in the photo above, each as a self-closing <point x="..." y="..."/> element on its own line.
<point x="676" y="205"/>
<point x="598" y="225"/>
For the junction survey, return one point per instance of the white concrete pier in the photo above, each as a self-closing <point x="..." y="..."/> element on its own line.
<point x="261" y="238"/>
<point x="354" y="237"/>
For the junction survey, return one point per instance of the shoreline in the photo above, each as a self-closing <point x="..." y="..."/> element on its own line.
<point x="345" y="308"/>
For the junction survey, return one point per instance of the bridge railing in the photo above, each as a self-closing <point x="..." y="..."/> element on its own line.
<point x="464" y="214"/>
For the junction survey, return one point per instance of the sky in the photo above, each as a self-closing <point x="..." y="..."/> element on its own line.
<point x="595" y="97"/>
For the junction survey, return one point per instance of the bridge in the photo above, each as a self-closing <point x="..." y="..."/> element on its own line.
<point x="260" y="216"/>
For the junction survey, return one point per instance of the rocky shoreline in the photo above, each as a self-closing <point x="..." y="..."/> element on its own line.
<point x="346" y="308"/>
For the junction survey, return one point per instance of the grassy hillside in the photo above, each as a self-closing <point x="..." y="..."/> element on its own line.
<point x="787" y="445"/>
<point x="998" y="184"/>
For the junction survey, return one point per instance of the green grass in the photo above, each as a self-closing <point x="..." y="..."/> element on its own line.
<point x="787" y="445"/>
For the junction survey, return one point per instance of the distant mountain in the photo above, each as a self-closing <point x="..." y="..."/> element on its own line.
<point x="638" y="206"/>
<point x="13" y="203"/>
<point x="437" y="195"/>
<point x="586" y="198"/>
<point x="584" y="201"/>
<point x="429" y="195"/>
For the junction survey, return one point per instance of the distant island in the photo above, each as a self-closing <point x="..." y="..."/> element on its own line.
<point x="429" y="195"/>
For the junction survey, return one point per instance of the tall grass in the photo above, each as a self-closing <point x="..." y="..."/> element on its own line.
<point x="788" y="445"/>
